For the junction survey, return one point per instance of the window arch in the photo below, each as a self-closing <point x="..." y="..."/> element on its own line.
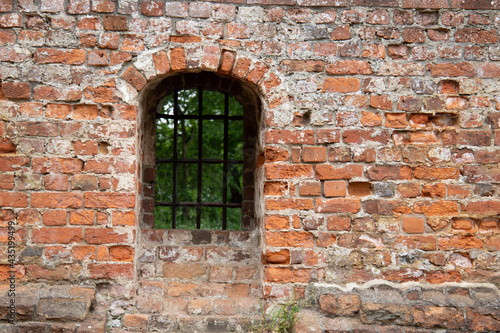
<point x="199" y="153"/>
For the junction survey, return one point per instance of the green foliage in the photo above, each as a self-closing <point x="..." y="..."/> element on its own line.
<point x="188" y="131"/>
<point x="281" y="319"/>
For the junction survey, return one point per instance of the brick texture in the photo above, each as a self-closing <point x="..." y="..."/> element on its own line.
<point x="377" y="130"/>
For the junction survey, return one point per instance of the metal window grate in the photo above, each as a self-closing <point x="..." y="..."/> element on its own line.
<point x="200" y="161"/>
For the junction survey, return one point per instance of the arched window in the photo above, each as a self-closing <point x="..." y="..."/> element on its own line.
<point x="205" y="139"/>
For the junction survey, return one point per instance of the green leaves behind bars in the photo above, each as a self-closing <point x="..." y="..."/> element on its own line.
<point x="212" y="147"/>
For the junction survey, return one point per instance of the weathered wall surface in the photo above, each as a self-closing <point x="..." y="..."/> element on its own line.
<point x="377" y="183"/>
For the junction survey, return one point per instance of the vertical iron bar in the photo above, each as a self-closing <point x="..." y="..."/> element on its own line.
<point x="225" y="165"/>
<point x="200" y="157"/>
<point x="174" y="176"/>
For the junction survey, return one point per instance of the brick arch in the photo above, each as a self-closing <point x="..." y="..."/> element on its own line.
<point x="211" y="67"/>
<point x="249" y="80"/>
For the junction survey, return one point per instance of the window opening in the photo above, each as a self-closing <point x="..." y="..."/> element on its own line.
<point x="199" y="161"/>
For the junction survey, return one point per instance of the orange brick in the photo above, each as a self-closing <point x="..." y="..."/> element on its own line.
<point x="335" y="189"/>
<point x="413" y="225"/>
<point x="310" y="188"/>
<point x="314" y="154"/>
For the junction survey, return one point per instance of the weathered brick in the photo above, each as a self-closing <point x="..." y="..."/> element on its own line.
<point x="338" y="205"/>
<point x="341" y="85"/>
<point x="329" y="172"/>
<point x="58" y="56"/>
<point x="115" y="23"/>
<point x="57" y="200"/>
<point x="57" y="235"/>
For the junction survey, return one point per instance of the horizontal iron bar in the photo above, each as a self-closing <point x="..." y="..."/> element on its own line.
<point x="196" y="204"/>
<point x="194" y="161"/>
<point x="204" y="117"/>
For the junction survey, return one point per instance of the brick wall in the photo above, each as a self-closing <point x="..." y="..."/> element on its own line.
<point x="376" y="185"/>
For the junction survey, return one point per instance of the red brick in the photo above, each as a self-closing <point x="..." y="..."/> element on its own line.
<point x="16" y="90"/>
<point x="282" y="204"/>
<point x="13" y="199"/>
<point x="425" y="4"/>
<point x="57" y="235"/>
<point x="325" y="49"/>
<point x="279" y="171"/>
<point x="136" y="79"/>
<point x="56" y="182"/>
<point x="8" y="37"/>
<point x="290" y="137"/>
<point x="97" y="58"/>
<point x="422" y="137"/>
<point x="133" y="42"/>
<point x="452" y="70"/>
<point x="111" y="271"/>
<point x="5" y="6"/>
<point x="389" y="173"/>
<point x="287" y="275"/>
<point x="275" y="222"/>
<point x="487" y="70"/>
<point x="103" y="6"/>
<point x="107" y="235"/>
<point x="83" y="252"/>
<point x="488" y="207"/>
<point x="302" y="66"/>
<point x="56" y="56"/>
<point x="121" y="253"/>
<point x="109" y="200"/>
<point x="469" y="138"/>
<point x="10" y="21"/>
<point x="477" y="36"/>
<point x="413" y="225"/>
<point x="314" y="154"/>
<point x="56" y="200"/>
<point x="483" y="319"/>
<point x="375" y="51"/>
<point x="162" y="64"/>
<point x="432" y="173"/>
<point x="178" y="59"/>
<point x="78" y="6"/>
<point x="380" y="16"/>
<point x="342" y="32"/>
<point x="102" y="94"/>
<point x="328" y="136"/>
<point x="398" y="51"/>
<point x="349" y="67"/>
<point x="380" y="102"/>
<point x="310" y="188"/>
<point x="152" y="8"/>
<point x="59" y="111"/>
<point x="57" y="165"/>
<point x="396" y="120"/>
<point x="6" y="182"/>
<point x="31" y="109"/>
<point x="337" y="205"/>
<point x="109" y="40"/>
<point x="228" y="59"/>
<point x="341" y="85"/>
<point x="413" y="35"/>
<point x="56" y="94"/>
<point x="437" y="208"/>
<point x="338" y="223"/>
<point x="329" y="172"/>
<point x="290" y="239"/>
<point x="335" y="189"/>
<point x="6" y="146"/>
<point x="115" y="23"/>
<point x="55" y="217"/>
<point x="85" y="111"/>
<point x="82" y="217"/>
